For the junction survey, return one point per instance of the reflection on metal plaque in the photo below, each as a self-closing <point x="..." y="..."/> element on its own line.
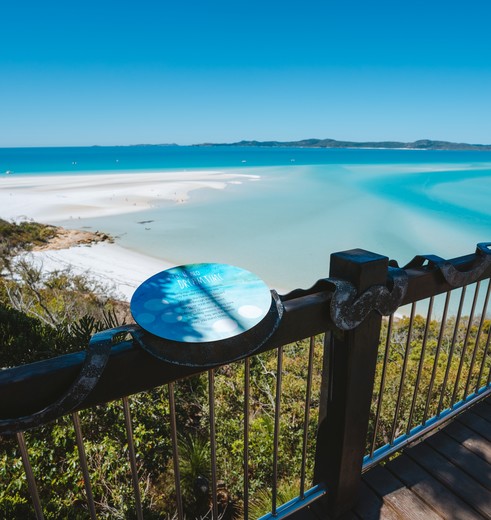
<point x="201" y="303"/>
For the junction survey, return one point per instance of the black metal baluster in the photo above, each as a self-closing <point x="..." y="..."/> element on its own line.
<point x="382" y="384"/>
<point x="464" y="348"/>
<point x="403" y="373"/>
<point x="132" y="457"/>
<point x="247" y="396"/>
<point x="31" y="481"/>
<point x="279" y="370"/>
<point x="437" y="356"/>
<point x="452" y="348"/>
<point x="308" y="395"/>
<point x="175" y="451"/>
<point x="483" y="362"/>
<point x="420" y="365"/>
<point x="478" y="338"/>
<point x="211" y="394"/>
<point x="84" y="465"/>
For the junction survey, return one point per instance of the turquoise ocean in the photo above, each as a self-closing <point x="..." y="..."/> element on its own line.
<point x="304" y="205"/>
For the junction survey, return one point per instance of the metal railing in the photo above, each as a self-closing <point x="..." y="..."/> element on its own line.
<point x="350" y="418"/>
<point x="440" y="364"/>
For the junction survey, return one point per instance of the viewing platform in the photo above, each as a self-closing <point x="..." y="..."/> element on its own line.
<point x="321" y="397"/>
<point x="446" y="476"/>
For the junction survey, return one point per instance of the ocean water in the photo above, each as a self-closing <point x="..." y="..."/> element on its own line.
<point x="305" y="204"/>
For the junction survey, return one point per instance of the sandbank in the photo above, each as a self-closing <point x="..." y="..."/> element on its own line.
<point x="51" y="199"/>
<point x="54" y="198"/>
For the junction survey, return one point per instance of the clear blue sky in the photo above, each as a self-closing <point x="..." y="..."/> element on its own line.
<point x="156" y="71"/>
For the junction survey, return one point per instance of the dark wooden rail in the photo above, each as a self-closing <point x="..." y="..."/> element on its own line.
<point x="28" y="388"/>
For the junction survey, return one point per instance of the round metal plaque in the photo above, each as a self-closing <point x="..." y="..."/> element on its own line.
<point x="201" y="303"/>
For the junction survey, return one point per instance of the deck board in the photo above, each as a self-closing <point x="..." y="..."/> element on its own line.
<point x="477" y="423"/>
<point x="450" y="472"/>
<point x="447" y="476"/>
<point x="397" y="496"/>
<point x="431" y="490"/>
<point x="465" y="459"/>
<point x="472" y="440"/>
<point x="371" y="507"/>
<point x="451" y="476"/>
<point x="483" y="410"/>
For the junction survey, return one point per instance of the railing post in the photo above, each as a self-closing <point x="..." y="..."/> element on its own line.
<point x="352" y="355"/>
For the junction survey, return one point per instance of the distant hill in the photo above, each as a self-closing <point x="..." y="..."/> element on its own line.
<point x="422" y="144"/>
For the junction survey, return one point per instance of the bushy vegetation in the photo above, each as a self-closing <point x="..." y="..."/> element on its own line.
<point x="434" y="379"/>
<point x="44" y="315"/>
<point x="54" y="455"/>
<point x="25" y="234"/>
<point x="15" y="237"/>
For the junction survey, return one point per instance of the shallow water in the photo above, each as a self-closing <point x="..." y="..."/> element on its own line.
<point x="306" y="204"/>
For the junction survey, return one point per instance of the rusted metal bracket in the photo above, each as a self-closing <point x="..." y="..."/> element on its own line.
<point x="348" y="310"/>
<point x="95" y="361"/>
<point x="452" y="275"/>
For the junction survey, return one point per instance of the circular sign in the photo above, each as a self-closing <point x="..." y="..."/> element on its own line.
<point x="201" y="303"/>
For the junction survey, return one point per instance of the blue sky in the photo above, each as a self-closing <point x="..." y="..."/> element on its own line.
<point x="124" y="72"/>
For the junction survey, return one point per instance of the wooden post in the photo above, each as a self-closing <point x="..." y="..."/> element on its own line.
<point x="342" y="431"/>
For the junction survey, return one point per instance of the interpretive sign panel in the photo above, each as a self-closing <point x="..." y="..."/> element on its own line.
<point x="199" y="303"/>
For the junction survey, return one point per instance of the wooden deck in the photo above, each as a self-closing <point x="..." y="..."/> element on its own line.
<point x="448" y="476"/>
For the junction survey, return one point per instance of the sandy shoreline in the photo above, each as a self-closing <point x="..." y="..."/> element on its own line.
<point x="53" y="198"/>
<point x="50" y="199"/>
<point x="119" y="269"/>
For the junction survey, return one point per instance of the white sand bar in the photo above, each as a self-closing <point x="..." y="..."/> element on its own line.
<point x="51" y="199"/>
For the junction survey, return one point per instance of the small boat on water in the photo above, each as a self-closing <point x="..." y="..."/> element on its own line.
<point x="8" y="172"/>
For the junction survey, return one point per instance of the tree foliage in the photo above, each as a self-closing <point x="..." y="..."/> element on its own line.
<point x="16" y="237"/>
<point x="429" y="367"/>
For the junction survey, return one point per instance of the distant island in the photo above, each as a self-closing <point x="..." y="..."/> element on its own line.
<point x="422" y="144"/>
